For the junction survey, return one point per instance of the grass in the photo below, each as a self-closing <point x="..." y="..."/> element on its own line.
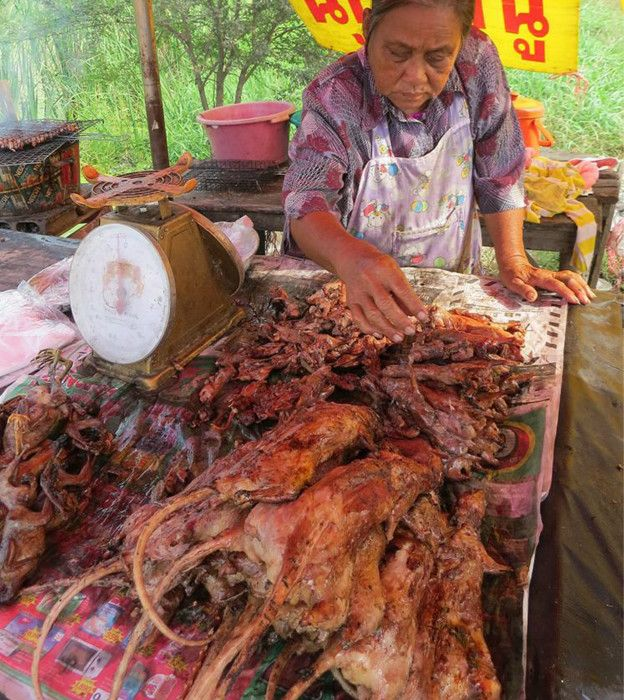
<point x="592" y="123"/>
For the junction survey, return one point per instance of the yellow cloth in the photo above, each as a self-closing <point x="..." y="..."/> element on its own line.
<point x="553" y="187"/>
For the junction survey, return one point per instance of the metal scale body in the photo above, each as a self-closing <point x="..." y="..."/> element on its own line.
<point x="150" y="288"/>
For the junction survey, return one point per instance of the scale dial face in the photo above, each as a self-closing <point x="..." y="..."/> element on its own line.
<point x="122" y="292"/>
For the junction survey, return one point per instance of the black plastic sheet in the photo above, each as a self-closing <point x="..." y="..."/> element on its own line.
<point x="575" y="642"/>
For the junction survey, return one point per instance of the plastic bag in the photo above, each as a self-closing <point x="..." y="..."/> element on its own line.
<point x="52" y="283"/>
<point x="29" y="324"/>
<point x="244" y="237"/>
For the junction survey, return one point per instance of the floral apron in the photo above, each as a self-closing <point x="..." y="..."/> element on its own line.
<point x="421" y="210"/>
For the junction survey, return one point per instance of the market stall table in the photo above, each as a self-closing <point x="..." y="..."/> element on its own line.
<point x="24" y="254"/>
<point x="568" y="655"/>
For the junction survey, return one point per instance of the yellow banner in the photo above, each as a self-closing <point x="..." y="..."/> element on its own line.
<point x="538" y="35"/>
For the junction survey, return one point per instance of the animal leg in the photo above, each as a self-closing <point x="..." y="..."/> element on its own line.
<point x="228" y="540"/>
<point x="291" y="649"/>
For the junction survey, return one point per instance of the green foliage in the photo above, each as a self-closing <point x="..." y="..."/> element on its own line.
<point x="592" y="123"/>
<point x="79" y="59"/>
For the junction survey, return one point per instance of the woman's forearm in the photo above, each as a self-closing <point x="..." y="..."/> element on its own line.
<point x="505" y="229"/>
<point x="324" y="239"/>
<point x="378" y="294"/>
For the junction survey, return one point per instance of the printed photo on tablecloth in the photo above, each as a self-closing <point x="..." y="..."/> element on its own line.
<point x="81" y="653"/>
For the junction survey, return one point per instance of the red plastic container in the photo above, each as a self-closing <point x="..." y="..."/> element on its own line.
<point x="249" y="131"/>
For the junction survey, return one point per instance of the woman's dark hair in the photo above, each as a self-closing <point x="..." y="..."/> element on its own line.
<point x="464" y="9"/>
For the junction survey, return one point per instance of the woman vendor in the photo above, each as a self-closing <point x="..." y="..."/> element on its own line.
<point x="396" y="143"/>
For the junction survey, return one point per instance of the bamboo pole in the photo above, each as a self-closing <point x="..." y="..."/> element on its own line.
<point x="151" y="83"/>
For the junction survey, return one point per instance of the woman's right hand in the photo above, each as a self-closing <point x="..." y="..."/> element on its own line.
<point x="378" y="293"/>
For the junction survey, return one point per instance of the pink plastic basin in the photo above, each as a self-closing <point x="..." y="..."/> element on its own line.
<point x="248" y="131"/>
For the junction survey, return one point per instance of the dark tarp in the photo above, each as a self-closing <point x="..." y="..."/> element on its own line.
<point x="575" y="644"/>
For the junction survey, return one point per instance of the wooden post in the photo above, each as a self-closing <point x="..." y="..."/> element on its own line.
<point x="151" y="83"/>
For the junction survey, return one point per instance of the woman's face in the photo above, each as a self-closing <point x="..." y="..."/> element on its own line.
<point x="412" y="52"/>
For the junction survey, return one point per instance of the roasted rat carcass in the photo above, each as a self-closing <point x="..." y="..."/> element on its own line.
<point x="361" y="565"/>
<point x="459" y="335"/>
<point x="462" y="666"/>
<point x="304" y="346"/>
<point x="274" y="468"/>
<point x="375" y="661"/>
<point x="49" y="447"/>
<point x="307" y="550"/>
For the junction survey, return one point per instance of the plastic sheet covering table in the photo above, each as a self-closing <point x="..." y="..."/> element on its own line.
<point x="575" y="643"/>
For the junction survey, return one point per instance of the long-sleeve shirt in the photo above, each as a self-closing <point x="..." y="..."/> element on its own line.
<point x="341" y="107"/>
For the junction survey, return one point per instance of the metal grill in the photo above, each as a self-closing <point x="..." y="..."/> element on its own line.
<point x="31" y="155"/>
<point x="235" y="175"/>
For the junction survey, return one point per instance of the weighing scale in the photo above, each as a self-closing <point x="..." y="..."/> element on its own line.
<point x="150" y="288"/>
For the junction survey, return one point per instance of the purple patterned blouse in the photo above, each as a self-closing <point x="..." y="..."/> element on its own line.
<point x="341" y="107"/>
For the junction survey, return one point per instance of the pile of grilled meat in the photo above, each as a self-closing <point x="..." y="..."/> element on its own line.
<point x="450" y="384"/>
<point x="48" y="449"/>
<point x="336" y="524"/>
<point x="333" y="528"/>
<point x="333" y="537"/>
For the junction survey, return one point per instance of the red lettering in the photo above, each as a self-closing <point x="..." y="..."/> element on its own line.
<point x="534" y="18"/>
<point x="356" y="8"/>
<point x="359" y="38"/>
<point x="523" y="47"/>
<point x="479" y="19"/>
<point x="332" y="8"/>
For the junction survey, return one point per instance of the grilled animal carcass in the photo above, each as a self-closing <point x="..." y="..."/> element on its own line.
<point x="462" y="423"/>
<point x="49" y="446"/>
<point x="285" y="459"/>
<point x="16" y="135"/>
<point x="307" y="550"/>
<point x="462" y="664"/>
<point x="274" y="468"/>
<point x="374" y="661"/>
<point x="459" y="335"/>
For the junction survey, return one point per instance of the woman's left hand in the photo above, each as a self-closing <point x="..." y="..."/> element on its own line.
<point x="525" y="279"/>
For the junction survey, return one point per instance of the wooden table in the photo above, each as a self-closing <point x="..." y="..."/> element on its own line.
<point x="555" y="234"/>
<point x="24" y="254"/>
